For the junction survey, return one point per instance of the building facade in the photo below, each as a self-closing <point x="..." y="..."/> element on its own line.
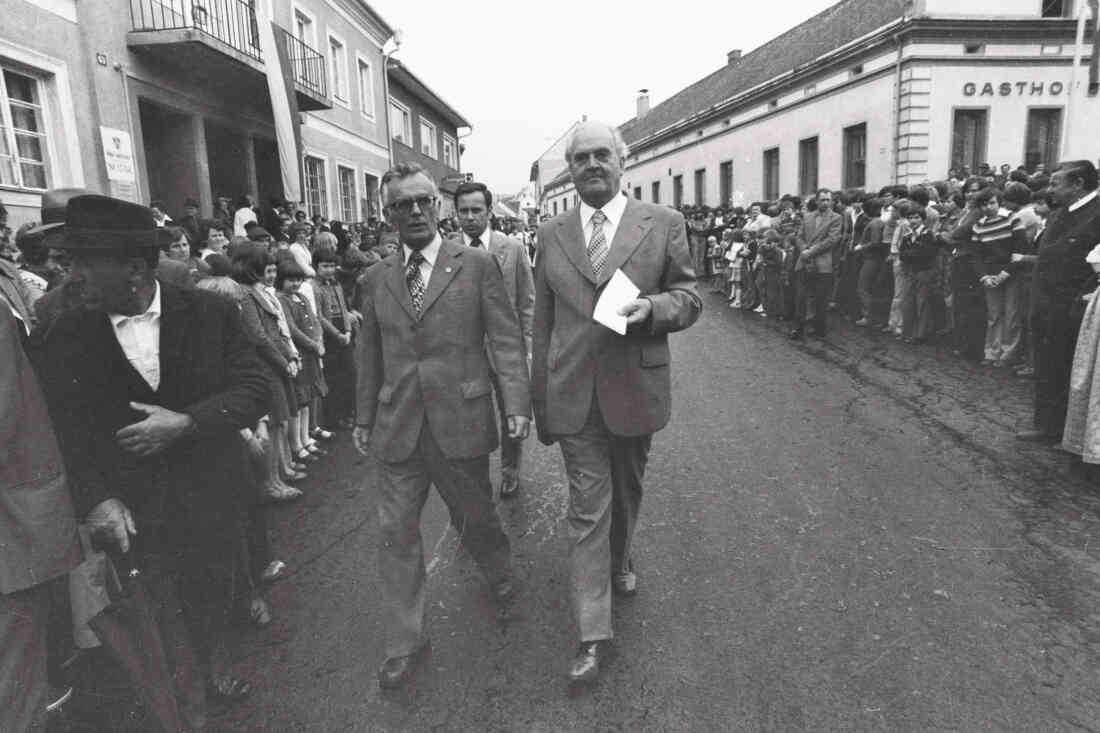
<point x="869" y="93"/>
<point x="425" y="130"/>
<point x="169" y="100"/>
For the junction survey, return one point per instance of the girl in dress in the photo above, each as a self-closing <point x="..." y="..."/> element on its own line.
<point x="736" y="265"/>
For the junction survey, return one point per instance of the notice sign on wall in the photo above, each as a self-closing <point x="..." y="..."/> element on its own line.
<point x="118" y="153"/>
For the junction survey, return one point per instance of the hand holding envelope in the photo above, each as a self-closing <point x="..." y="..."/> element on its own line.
<point x="618" y="304"/>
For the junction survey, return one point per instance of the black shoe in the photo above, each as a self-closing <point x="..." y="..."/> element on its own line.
<point x="795" y="334"/>
<point x="585" y="667"/>
<point x="396" y="671"/>
<point x="509" y="487"/>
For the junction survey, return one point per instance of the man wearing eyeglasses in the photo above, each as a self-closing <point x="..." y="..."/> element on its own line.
<point x="432" y="315"/>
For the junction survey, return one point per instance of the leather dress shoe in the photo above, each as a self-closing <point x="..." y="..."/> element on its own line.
<point x="585" y="667"/>
<point x="509" y="486"/>
<point x="624" y="584"/>
<point x="396" y="671"/>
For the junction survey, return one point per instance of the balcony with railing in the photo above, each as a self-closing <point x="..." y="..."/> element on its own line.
<point x="217" y="43"/>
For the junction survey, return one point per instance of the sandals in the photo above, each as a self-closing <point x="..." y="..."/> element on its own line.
<point x="259" y="614"/>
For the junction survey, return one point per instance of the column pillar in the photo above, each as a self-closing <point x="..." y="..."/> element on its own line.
<point x="202" y="166"/>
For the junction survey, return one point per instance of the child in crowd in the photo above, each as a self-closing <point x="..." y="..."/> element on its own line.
<point x="771" y="264"/>
<point x="918" y="253"/>
<point x="305" y="332"/>
<point x="749" y="296"/>
<point x="339" y="324"/>
<point x="717" y="263"/>
<point x="736" y="266"/>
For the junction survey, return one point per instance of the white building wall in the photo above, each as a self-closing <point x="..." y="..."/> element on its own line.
<point x="979" y="8"/>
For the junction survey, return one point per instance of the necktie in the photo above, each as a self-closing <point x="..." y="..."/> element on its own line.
<point x="597" y="245"/>
<point x="475" y="242"/>
<point x="415" y="280"/>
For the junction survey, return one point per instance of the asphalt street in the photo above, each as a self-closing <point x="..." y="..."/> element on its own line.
<point x="836" y="536"/>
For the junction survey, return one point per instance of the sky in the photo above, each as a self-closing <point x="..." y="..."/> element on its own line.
<point x="521" y="73"/>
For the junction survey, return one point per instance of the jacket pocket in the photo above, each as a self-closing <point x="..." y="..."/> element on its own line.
<point x="385" y="395"/>
<point x="476" y="388"/>
<point x="655" y="354"/>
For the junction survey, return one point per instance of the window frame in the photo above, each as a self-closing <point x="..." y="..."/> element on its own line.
<point x="297" y="10"/>
<point x="984" y="152"/>
<point x="1066" y="12"/>
<point x="768" y="193"/>
<point x="1061" y="110"/>
<point x="8" y="130"/>
<point x="845" y="161"/>
<point x="452" y="161"/>
<point x="434" y="154"/>
<point x="394" y="104"/>
<point x="342" y="165"/>
<point x="342" y="60"/>
<point x="699" y="186"/>
<point x="655" y="191"/>
<point x="678" y="190"/>
<point x="725" y="183"/>
<point x="362" y="61"/>
<point x="803" y="144"/>
<point x="324" y="193"/>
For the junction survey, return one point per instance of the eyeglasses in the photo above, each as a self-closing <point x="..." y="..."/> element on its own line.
<point x="405" y="206"/>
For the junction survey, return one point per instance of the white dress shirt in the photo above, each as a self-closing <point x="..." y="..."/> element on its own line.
<point x="139" y="337"/>
<point x="613" y="210"/>
<point x="430" y="253"/>
<point x="484" y="237"/>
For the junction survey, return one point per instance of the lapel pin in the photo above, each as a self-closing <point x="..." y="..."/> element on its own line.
<point x="446" y="269"/>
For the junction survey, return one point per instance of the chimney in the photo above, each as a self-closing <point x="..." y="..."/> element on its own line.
<point x="643" y="103"/>
<point x="733" y="56"/>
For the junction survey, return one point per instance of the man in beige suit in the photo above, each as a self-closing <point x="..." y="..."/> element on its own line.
<point x="473" y="203"/>
<point x="425" y="404"/>
<point x="599" y="394"/>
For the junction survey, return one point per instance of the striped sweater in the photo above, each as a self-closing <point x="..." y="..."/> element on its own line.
<point x="994" y="239"/>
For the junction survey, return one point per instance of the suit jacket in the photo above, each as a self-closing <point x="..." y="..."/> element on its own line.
<point x="817" y="238"/>
<point x="1061" y="273"/>
<point x="575" y="357"/>
<point x="433" y="370"/>
<point x="208" y="370"/>
<point x="519" y="281"/>
<point x="38" y="539"/>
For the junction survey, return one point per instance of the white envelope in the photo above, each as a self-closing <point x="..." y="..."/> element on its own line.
<point x="618" y="292"/>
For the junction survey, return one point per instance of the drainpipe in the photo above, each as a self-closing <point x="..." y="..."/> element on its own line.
<point x="895" y="115"/>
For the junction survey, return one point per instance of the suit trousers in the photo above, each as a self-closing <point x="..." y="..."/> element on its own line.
<point x="916" y="309"/>
<point x="465" y="488"/>
<point x="23" y="687"/>
<point x="605" y="493"/>
<point x="869" y="273"/>
<point x="903" y="281"/>
<point x="339" y="403"/>
<point x="1003" y="321"/>
<point x="511" y="450"/>
<point x="815" y="287"/>
<point x="1055" y="344"/>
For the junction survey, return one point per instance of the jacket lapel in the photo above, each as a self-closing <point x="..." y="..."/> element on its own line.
<point x="447" y="265"/>
<point x="173" y="331"/>
<point x="395" y="281"/>
<point x="571" y="240"/>
<point x="632" y="230"/>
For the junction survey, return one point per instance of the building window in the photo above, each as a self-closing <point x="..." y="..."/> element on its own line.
<point x="1057" y="8"/>
<point x="855" y="156"/>
<point x="370" y="195"/>
<point x="366" y="89"/>
<point x="725" y="183"/>
<point x="655" y="192"/>
<point x="677" y="191"/>
<point x="23" y="145"/>
<point x="316" y="186"/>
<point x="1044" y="137"/>
<point x="401" y="124"/>
<point x="968" y="138"/>
<point x="427" y="139"/>
<point x="771" y="174"/>
<point x="700" y="187"/>
<point x="338" y="68"/>
<point x="450" y="151"/>
<point x="807" y="166"/>
<point x="345" y="179"/>
<point x="303" y="28"/>
<point x="555" y="208"/>
<point x="638" y="193"/>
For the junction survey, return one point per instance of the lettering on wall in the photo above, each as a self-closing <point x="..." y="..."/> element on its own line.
<point x="1012" y="88"/>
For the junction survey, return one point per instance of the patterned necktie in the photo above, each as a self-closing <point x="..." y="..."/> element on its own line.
<point x="597" y="246"/>
<point x="415" y="280"/>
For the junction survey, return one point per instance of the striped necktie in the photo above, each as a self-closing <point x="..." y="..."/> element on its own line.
<point x="415" y="280"/>
<point x="597" y="245"/>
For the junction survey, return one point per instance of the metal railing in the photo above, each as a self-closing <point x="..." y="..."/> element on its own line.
<point x="308" y="66"/>
<point x="233" y="22"/>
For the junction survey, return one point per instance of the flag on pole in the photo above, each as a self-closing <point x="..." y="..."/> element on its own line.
<point x="284" y="102"/>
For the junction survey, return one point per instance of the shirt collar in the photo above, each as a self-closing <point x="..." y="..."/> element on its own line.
<point x="1082" y="201"/>
<point x="430" y="252"/>
<point x="484" y="237"/>
<point x="153" y="310"/>
<point x="613" y="210"/>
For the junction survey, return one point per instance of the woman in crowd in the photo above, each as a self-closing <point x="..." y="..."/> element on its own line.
<point x="305" y="332"/>
<point x="215" y="238"/>
<point x="873" y="250"/>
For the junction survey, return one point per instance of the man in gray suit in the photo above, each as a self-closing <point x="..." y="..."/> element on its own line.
<point x="600" y="394"/>
<point x="473" y="204"/>
<point x="425" y="404"/>
<point x="817" y="239"/>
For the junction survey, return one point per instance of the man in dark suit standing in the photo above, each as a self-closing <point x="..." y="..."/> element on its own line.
<point x="473" y="203"/>
<point x="817" y="239"/>
<point x="600" y="394"/>
<point x="1061" y="274"/>
<point x="148" y="386"/>
<point x="425" y="404"/>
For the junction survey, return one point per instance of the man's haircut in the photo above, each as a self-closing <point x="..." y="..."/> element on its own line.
<point x="1017" y="193"/>
<point x="872" y="206"/>
<point x="621" y="148"/>
<point x="915" y="209"/>
<point x="987" y="194"/>
<point x="1081" y="170"/>
<point x="918" y="194"/>
<point x="474" y="187"/>
<point x="325" y="254"/>
<point x="400" y="172"/>
<point x="824" y="190"/>
<point x="156" y="204"/>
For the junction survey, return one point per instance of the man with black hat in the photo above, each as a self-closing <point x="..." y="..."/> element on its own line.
<point x="149" y="386"/>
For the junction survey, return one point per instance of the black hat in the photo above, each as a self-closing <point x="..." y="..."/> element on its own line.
<point x="54" y="203"/>
<point x="101" y="222"/>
